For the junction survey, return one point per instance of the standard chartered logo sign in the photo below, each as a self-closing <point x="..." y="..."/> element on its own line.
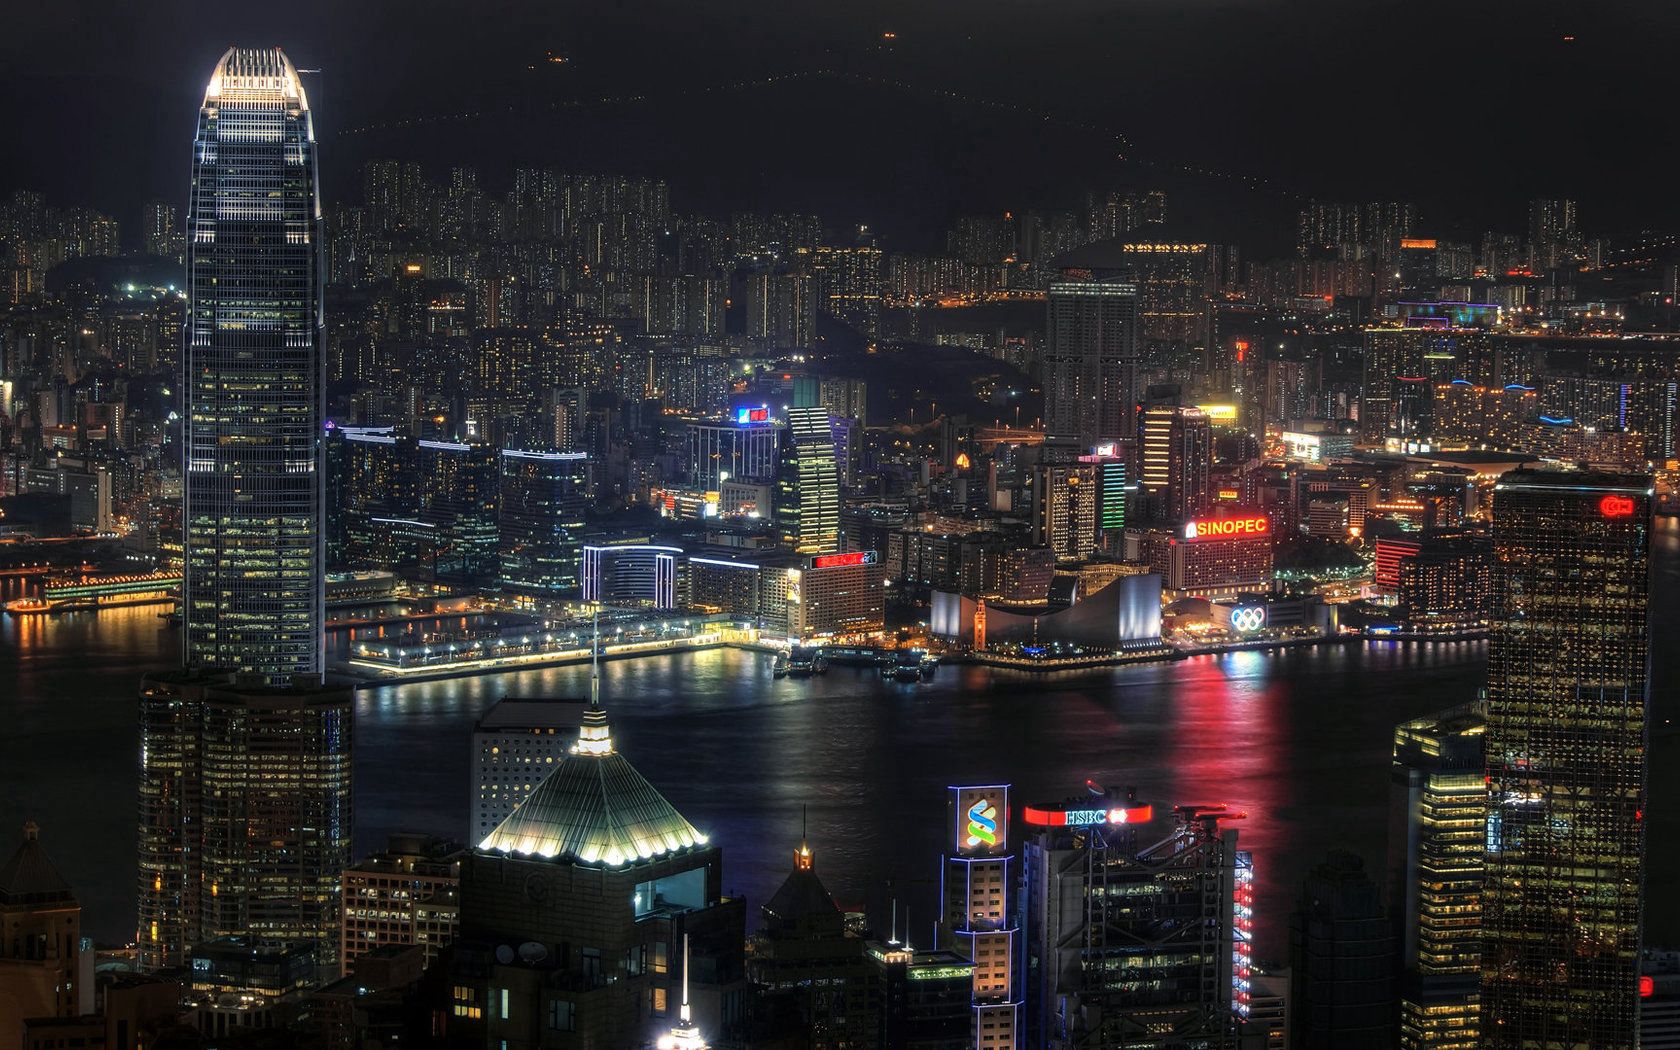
<point x="982" y="824"/>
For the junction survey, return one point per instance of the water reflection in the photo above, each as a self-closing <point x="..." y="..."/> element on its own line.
<point x="1297" y="739"/>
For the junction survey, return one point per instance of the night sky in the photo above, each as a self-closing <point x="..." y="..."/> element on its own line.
<point x="1468" y="107"/>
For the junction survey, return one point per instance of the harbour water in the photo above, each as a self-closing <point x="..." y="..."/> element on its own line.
<point x="1297" y="739"/>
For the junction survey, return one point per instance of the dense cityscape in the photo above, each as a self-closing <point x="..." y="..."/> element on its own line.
<point x="307" y="460"/>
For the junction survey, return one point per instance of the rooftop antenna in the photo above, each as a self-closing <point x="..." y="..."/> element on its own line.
<point x="595" y="665"/>
<point x="684" y="1036"/>
<point x="894" y="938"/>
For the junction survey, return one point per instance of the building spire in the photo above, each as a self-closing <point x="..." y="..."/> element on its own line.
<point x="802" y="858"/>
<point x="683" y="1035"/>
<point x="594" y="738"/>
<point x="595" y="664"/>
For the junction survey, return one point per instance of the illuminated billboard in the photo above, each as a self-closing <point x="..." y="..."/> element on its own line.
<point x="750" y="414"/>
<point x="1246" y="527"/>
<point x="1070" y="815"/>
<point x="1616" y="506"/>
<point x="980" y="820"/>
<point x="1224" y="414"/>
<point x="834" y="561"/>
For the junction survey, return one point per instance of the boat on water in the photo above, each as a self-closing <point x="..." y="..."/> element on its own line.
<point x="779" y="668"/>
<point x="73" y="592"/>
<point x="909" y="665"/>
<point x="805" y="661"/>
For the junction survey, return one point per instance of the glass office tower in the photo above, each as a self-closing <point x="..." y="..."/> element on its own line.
<point x="1567" y="682"/>
<point x="252" y="595"/>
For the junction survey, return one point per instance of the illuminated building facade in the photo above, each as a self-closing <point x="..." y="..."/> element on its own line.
<point x="1064" y="510"/>
<point x="642" y="574"/>
<point x="252" y="599"/>
<point x="245" y="814"/>
<point x="1091" y="359"/>
<point x="1131" y="927"/>
<point x="1208" y="557"/>
<point x="979" y="921"/>
<point x="1437" y="831"/>
<point x="1566" y="739"/>
<point x="407" y="895"/>
<point x="1110" y="469"/>
<point x="1404" y="367"/>
<point x="574" y="911"/>
<point x="540" y="521"/>
<point x="743" y="449"/>
<point x="1176" y="446"/>
<point x="807" y="500"/>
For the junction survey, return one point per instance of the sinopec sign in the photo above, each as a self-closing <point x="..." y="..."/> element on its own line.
<point x="1253" y="526"/>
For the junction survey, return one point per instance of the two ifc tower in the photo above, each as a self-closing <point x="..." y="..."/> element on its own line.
<point x="222" y="853"/>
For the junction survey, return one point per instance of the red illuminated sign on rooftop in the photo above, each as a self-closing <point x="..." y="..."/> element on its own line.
<point x="831" y="561"/>
<point x="1616" y="506"/>
<point x="1252" y="526"/>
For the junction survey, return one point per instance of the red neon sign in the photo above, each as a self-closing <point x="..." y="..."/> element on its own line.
<point x="829" y="561"/>
<point x="1647" y="986"/>
<point x="1242" y="349"/>
<point x="1228" y="528"/>
<point x="1065" y="816"/>
<point x="1616" y="506"/>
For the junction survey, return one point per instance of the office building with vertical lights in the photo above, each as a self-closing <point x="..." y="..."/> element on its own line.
<point x="245" y="814"/>
<point x="252" y="594"/>
<point x="543" y="497"/>
<point x="1568" y="661"/>
<point x="807" y="498"/>
<point x="1437" y="832"/>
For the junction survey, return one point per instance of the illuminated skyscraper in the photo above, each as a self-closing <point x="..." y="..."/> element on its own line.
<point x="1091" y="358"/>
<point x="252" y="595"/>
<point x="1134" y="929"/>
<point x="1566" y="737"/>
<point x="1437" y="830"/>
<point x="980" y="921"/>
<point x="245" y="814"/>
<point x="808" y="484"/>
<point x="543" y="497"/>
<point x="1177" y="450"/>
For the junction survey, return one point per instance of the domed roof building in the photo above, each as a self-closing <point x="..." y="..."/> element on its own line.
<point x="575" y="908"/>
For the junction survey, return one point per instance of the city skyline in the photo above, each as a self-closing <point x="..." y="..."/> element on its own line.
<point x="1350" y="544"/>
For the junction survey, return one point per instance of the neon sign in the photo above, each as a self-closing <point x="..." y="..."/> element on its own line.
<point x="1228" y="528"/>
<point x="982" y="825"/>
<point x="744" y="415"/>
<point x="832" y="561"/>
<point x="1059" y="817"/>
<point x="1616" y="506"/>
<point x="1248" y="618"/>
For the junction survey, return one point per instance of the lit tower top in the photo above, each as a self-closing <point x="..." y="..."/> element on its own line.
<point x="255" y="75"/>
<point x="595" y="808"/>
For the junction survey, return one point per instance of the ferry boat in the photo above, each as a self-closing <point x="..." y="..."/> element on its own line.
<point x="910" y="665"/>
<point x="73" y="592"/>
<point x="805" y="661"/>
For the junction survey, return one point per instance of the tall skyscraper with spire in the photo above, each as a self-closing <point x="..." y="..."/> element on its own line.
<point x="245" y="753"/>
<point x="252" y="595"/>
